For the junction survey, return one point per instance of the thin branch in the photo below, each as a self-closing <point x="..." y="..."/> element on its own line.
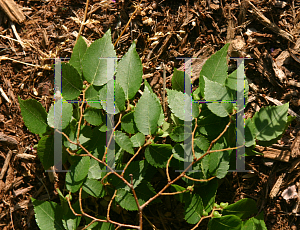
<point x="68" y="199"/>
<point x="105" y="176"/>
<point x="202" y="218"/>
<point x="109" y="205"/>
<point x="110" y="138"/>
<point x="131" y="159"/>
<point x="193" y="135"/>
<point x="187" y="168"/>
<point x="100" y="161"/>
<point x="81" y="113"/>
<point x="167" y="168"/>
<point x="199" y="180"/>
<point x="221" y="150"/>
<point x="179" y="192"/>
<point x="86" y="227"/>
<point x="136" y="9"/>
<point x="83" y="21"/>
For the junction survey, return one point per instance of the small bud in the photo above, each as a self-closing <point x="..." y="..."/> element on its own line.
<point x="160" y="132"/>
<point x="223" y="205"/>
<point x="216" y="214"/>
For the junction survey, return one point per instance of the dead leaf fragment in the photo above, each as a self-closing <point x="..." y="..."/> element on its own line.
<point x="290" y="193"/>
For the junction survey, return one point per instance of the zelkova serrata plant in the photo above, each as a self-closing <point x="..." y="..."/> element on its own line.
<point x="138" y="136"/>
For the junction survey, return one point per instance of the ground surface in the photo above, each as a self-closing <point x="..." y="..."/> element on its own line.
<point x="163" y="31"/>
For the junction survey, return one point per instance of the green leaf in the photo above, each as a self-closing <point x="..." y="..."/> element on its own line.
<point x="96" y="146"/>
<point x="197" y="94"/>
<point x="270" y="122"/>
<point x="78" y="173"/>
<point x="255" y="223"/>
<point x="34" y="115"/>
<point x="250" y="133"/>
<point x="78" y="53"/>
<point x="137" y="169"/>
<point x="201" y="142"/>
<point x="138" y="140"/>
<point x="48" y="214"/>
<point x="93" y="116"/>
<point x="63" y="201"/>
<point x="178" y="152"/>
<point x="208" y="192"/>
<point x="45" y="151"/>
<point x="215" y="91"/>
<point x="181" y="197"/>
<point x="273" y="141"/>
<point x="231" y="83"/>
<point x="177" y="134"/>
<point x="210" y="124"/>
<point x="229" y="222"/>
<point x="243" y="208"/>
<point x="99" y="225"/>
<point x="65" y="116"/>
<point x="158" y="154"/>
<point x="177" y="104"/>
<point x="92" y="96"/>
<point x="178" y="80"/>
<point x="115" y="94"/>
<point x="71" y="82"/>
<point x="94" y="68"/>
<point x="223" y="168"/>
<point x="93" y="187"/>
<point x="215" y="68"/>
<point x="231" y="80"/>
<point x="195" y="109"/>
<point x="144" y="192"/>
<point x="71" y="131"/>
<point x="147" y="113"/>
<point x="130" y="72"/>
<point x="161" y="116"/>
<point x="126" y="200"/>
<point x="193" y="210"/>
<point x="167" y="127"/>
<point x="123" y="141"/>
<point x="70" y="221"/>
<point x="216" y="163"/>
<point x="128" y="124"/>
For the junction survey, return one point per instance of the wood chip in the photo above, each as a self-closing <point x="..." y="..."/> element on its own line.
<point x="12" y="10"/>
<point x="276" y="186"/>
<point x="23" y="191"/>
<point x="8" y="140"/>
<point x="277" y="70"/>
<point x="26" y="156"/>
<point x="283" y="58"/>
<point x="295" y="148"/>
<point x="6" y="163"/>
<point x="293" y="83"/>
<point x="275" y="154"/>
<point x="267" y="23"/>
